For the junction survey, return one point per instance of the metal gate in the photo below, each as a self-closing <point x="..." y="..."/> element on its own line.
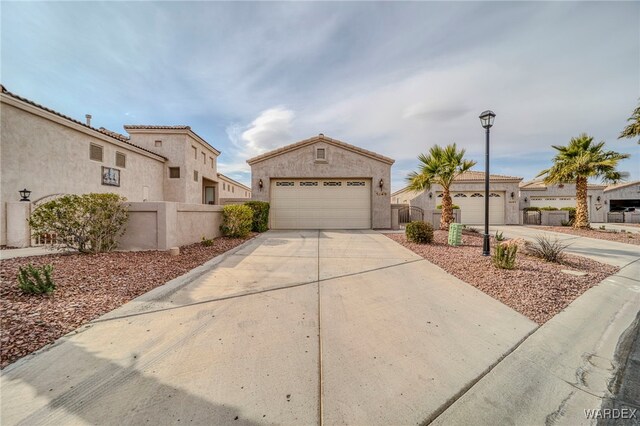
<point x="532" y="217"/>
<point x="410" y="214"/>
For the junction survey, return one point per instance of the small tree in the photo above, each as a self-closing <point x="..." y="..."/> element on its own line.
<point x="580" y="160"/>
<point x="441" y="166"/>
<point x="90" y="223"/>
<point x="633" y="129"/>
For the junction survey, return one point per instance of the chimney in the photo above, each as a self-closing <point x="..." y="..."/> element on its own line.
<point x="88" y="117"/>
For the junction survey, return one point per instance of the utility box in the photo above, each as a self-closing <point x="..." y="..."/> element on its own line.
<point x="455" y="234"/>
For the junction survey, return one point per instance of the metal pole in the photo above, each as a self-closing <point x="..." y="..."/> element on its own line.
<point x="486" y="251"/>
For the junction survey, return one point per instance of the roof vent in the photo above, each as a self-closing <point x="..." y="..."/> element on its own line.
<point x="321" y="135"/>
<point x="88" y="117"/>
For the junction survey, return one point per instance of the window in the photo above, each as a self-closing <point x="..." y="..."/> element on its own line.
<point x="321" y="154"/>
<point x="356" y="183"/>
<point x="95" y="152"/>
<point x="224" y="186"/>
<point x="284" y="183"/>
<point x="158" y="144"/>
<point x="213" y="165"/>
<point x="476" y="195"/>
<point x="493" y="194"/>
<point x="233" y="189"/>
<point x="195" y="152"/>
<point x="121" y="160"/>
<point x="195" y="175"/>
<point x="174" y="172"/>
<point x="308" y="183"/>
<point x="331" y="183"/>
<point x="204" y="158"/>
<point x="460" y="196"/>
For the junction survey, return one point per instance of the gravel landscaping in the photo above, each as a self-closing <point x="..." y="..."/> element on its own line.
<point x="606" y="234"/>
<point x="87" y="286"/>
<point x="536" y="288"/>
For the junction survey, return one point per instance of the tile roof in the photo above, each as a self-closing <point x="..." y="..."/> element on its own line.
<point x="101" y="130"/>
<point x="621" y="185"/>
<point x="318" y="138"/>
<point x="540" y="185"/>
<point x="473" y="175"/>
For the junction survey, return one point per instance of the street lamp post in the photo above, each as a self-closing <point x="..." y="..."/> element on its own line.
<point x="486" y="119"/>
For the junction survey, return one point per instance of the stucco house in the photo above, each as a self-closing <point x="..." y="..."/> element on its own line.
<point x="49" y="153"/>
<point x="536" y="193"/>
<point x="467" y="192"/>
<point x="622" y="195"/>
<point x="323" y="183"/>
<point x="232" y="189"/>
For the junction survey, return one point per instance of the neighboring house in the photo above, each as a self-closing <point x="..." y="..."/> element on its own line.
<point x="467" y="192"/>
<point x="230" y="188"/>
<point x="622" y="195"/>
<point x="536" y="193"/>
<point x="323" y="183"/>
<point x="49" y="153"/>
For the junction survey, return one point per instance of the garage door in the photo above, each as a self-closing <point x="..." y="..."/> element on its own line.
<point x="472" y="207"/>
<point x="557" y="202"/>
<point x="321" y="204"/>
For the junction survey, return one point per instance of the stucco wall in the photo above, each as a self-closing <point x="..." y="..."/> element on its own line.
<point x="597" y="208"/>
<point x="43" y="154"/>
<point x="231" y="189"/>
<point x="511" y="213"/>
<point x="630" y="192"/>
<point x="341" y="163"/>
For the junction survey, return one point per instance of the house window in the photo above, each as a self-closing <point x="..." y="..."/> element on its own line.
<point x="460" y="196"/>
<point x="195" y="175"/>
<point x="121" y="160"/>
<point x="195" y="152"/>
<point x="212" y="163"/>
<point x="331" y="183"/>
<point x="95" y="152"/>
<point x="158" y="144"/>
<point x="224" y="186"/>
<point x="233" y="189"/>
<point x="204" y="158"/>
<point x="174" y="172"/>
<point x="321" y="154"/>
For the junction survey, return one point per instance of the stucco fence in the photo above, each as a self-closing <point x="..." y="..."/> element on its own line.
<point x="151" y="225"/>
<point x="430" y="216"/>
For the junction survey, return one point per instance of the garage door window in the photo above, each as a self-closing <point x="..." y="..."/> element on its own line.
<point x="460" y="196"/>
<point x="308" y="183"/>
<point x="493" y="194"/>
<point x="284" y="183"/>
<point x="332" y="183"/>
<point x="355" y="184"/>
<point x="477" y="194"/>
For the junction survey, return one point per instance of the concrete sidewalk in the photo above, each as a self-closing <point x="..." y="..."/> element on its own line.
<point x="292" y="328"/>
<point x="25" y="252"/>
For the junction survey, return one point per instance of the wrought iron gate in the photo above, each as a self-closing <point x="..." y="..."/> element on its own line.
<point x="410" y="214"/>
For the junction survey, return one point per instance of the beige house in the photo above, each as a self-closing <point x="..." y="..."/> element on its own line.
<point x="467" y="192"/>
<point x="536" y="193"/>
<point x="622" y="195"/>
<point x="232" y="189"/>
<point x="323" y="183"/>
<point x="49" y="153"/>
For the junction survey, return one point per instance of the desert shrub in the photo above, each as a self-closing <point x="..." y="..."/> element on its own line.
<point x="453" y="207"/>
<point x="260" y="215"/>
<point x="499" y="236"/>
<point x="419" y="232"/>
<point x="548" y="209"/>
<point x="90" y="223"/>
<point x="470" y="229"/>
<point x="206" y="242"/>
<point x="34" y="280"/>
<point x="504" y="255"/>
<point x="236" y="220"/>
<point x="547" y="249"/>
<point x="572" y="214"/>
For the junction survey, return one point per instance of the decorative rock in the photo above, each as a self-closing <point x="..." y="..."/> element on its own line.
<point x="570" y="272"/>
<point x="174" y="251"/>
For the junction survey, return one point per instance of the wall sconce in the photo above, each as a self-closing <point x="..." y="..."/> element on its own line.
<point x="598" y="199"/>
<point x="526" y="200"/>
<point x="605" y="202"/>
<point x="430" y="195"/>
<point x="512" y="195"/>
<point x="260" y="184"/>
<point x="25" y="194"/>
<point x="381" y="184"/>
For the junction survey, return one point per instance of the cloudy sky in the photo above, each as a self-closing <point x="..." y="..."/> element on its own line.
<point x="394" y="78"/>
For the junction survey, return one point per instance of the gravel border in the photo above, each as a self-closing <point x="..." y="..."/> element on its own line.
<point x="608" y="235"/>
<point x="88" y="286"/>
<point x="536" y="288"/>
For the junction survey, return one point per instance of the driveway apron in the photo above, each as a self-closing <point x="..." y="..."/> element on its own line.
<point x="295" y="327"/>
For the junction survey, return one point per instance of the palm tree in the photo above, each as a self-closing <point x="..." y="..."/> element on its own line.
<point x="579" y="161"/>
<point x="441" y="167"/>
<point x="633" y="129"/>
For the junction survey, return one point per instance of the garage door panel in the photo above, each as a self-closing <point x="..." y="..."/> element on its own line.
<point x="472" y="207"/>
<point x="321" y="204"/>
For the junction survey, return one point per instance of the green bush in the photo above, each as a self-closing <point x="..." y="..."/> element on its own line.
<point x="499" y="236"/>
<point x="548" y="209"/>
<point x="90" y="223"/>
<point x="544" y="248"/>
<point x="419" y="232"/>
<point x="453" y="207"/>
<point x="33" y="280"/>
<point x="236" y="220"/>
<point x="504" y="255"/>
<point x="260" y="215"/>
<point x="531" y="209"/>
<point x="206" y="242"/>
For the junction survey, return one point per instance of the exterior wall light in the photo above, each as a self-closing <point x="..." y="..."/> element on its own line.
<point x="512" y="195"/>
<point x="381" y="184"/>
<point x="526" y="200"/>
<point x="430" y="195"/>
<point x="25" y="193"/>
<point x="260" y="184"/>
<point x="598" y="199"/>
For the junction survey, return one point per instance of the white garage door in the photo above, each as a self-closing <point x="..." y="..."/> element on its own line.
<point x="472" y="207"/>
<point x="557" y="202"/>
<point x="321" y="204"/>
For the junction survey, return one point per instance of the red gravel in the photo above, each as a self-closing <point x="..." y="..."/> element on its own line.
<point x="87" y="286"/>
<point x="536" y="288"/>
<point x="607" y="234"/>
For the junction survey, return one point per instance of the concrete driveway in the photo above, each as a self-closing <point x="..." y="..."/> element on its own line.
<point x="300" y="327"/>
